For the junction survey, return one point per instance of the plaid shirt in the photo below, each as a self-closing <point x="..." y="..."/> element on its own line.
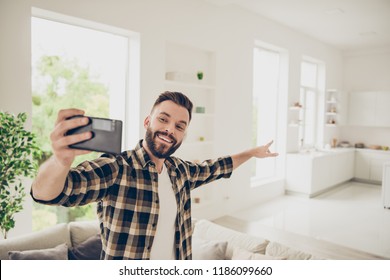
<point x="126" y="190"/>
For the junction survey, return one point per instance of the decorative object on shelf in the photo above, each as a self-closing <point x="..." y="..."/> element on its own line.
<point x="200" y="109"/>
<point x="297" y="105"/>
<point x="331" y="108"/>
<point x="334" y="143"/>
<point x="360" y="145"/>
<point x="199" y="74"/>
<point x="19" y="154"/>
<point x="344" y="144"/>
<point x="174" y="76"/>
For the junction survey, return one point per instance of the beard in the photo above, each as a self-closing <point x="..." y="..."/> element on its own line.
<point x="160" y="150"/>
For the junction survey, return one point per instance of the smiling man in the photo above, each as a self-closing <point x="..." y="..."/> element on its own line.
<point x="143" y="195"/>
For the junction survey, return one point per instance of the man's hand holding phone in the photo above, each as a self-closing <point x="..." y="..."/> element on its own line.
<point x="60" y="141"/>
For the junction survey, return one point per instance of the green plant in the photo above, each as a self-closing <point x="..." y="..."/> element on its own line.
<point x="18" y="159"/>
<point x="199" y="74"/>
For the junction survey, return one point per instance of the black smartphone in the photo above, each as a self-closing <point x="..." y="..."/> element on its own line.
<point x="106" y="135"/>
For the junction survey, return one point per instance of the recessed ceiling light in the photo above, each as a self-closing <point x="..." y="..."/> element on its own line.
<point x="335" y="11"/>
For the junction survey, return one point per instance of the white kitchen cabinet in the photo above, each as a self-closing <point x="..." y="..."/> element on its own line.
<point x="362" y="165"/>
<point x="369" y="164"/>
<point x="362" y="108"/>
<point x="382" y="110"/>
<point x="368" y="108"/>
<point x="314" y="173"/>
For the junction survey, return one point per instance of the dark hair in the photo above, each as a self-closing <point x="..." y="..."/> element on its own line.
<point x="176" y="97"/>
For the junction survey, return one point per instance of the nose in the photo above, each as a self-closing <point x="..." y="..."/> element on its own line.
<point x="170" y="129"/>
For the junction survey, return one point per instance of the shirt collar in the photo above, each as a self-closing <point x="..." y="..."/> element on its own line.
<point x="145" y="159"/>
<point x="142" y="155"/>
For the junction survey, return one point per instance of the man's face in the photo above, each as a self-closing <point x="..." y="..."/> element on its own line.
<point x="165" y="128"/>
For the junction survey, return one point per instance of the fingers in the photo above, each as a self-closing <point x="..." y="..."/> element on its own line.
<point x="65" y="141"/>
<point x="268" y="151"/>
<point x="67" y="113"/>
<point x="63" y="126"/>
<point x="269" y="144"/>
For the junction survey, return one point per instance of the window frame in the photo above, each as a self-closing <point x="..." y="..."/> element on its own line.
<point x="279" y="143"/>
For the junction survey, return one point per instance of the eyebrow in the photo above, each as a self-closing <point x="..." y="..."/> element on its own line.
<point x="168" y="115"/>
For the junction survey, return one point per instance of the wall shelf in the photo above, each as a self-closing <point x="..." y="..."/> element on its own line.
<point x="181" y="67"/>
<point x="189" y="84"/>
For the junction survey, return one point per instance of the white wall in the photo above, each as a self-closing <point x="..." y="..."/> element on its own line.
<point x="367" y="70"/>
<point x="228" y="31"/>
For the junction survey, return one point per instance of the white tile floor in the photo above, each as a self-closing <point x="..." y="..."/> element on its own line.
<point x="351" y="215"/>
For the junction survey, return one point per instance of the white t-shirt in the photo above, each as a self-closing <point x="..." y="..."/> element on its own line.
<point x="163" y="247"/>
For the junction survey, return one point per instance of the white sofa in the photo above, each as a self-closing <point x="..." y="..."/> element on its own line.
<point x="81" y="240"/>
<point x="75" y="240"/>
<point x="214" y="242"/>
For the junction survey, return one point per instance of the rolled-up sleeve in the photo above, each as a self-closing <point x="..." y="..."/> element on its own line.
<point x="210" y="170"/>
<point x="88" y="182"/>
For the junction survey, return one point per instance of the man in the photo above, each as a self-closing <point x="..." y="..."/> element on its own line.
<point x="143" y="195"/>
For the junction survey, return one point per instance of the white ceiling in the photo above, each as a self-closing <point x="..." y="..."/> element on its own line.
<point x="346" y="24"/>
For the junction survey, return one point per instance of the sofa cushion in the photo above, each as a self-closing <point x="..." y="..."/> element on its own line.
<point x="90" y="249"/>
<point x="44" y="239"/>
<point x="242" y="254"/>
<point x="276" y="249"/>
<point x="211" y="231"/>
<point x="208" y="249"/>
<point x="82" y="230"/>
<point x="59" y="252"/>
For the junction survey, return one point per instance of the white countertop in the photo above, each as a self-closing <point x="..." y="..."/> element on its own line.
<point x="323" y="152"/>
<point x="383" y="152"/>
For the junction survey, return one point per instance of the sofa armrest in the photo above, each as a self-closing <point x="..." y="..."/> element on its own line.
<point x="44" y="239"/>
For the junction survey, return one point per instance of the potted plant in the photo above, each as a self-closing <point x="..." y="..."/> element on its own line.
<point x="18" y="159"/>
<point x="199" y="74"/>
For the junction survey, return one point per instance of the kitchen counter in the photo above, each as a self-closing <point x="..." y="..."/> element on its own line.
<point x="374" y="151"/>
<point x="369" y="164"/>
<point x="314" y="172"/>
<point x="323" y="152"/>
<point x="327" y="152"/>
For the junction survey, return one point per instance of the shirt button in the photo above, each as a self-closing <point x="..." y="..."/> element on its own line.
<point x="154" y="225"/>
<point x="156" y="201"/>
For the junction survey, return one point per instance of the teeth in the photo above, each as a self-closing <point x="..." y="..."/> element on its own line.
<point x="164" y="139"/>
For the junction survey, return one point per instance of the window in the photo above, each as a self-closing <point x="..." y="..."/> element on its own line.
<point x="80" y="64"/>
<point x="269" y="89"/>
<point x="312" y="76"/>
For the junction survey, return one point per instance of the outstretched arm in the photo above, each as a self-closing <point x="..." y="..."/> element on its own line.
<point x="52" y="174"/>
<point x="257" y="152"/>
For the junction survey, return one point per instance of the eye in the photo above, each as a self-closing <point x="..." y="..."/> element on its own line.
<point x="162" y="119"/>
<point x="180" y="127"/>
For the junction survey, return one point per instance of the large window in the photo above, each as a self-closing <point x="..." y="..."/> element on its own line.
<point x="269" y="84"/>
<point x="79" y="64"/>
<point x="312" y="76"/>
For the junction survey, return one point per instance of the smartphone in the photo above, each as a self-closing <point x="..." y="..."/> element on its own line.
<point x="106" y="135"/>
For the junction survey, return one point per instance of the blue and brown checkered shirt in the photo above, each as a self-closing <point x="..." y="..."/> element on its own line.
<point x="125" y="188"/>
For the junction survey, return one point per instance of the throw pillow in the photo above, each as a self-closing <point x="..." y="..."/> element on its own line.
<point x="211" y="231"/>
<point x="90" y="249"/>
<point x="276" y="249"/>
<point x="208" y="249"/>
<point x="59" y="252"/>
<point x="241" y="254"/>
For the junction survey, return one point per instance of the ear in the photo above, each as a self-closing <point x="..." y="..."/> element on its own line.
<point x="147" y="122"/>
